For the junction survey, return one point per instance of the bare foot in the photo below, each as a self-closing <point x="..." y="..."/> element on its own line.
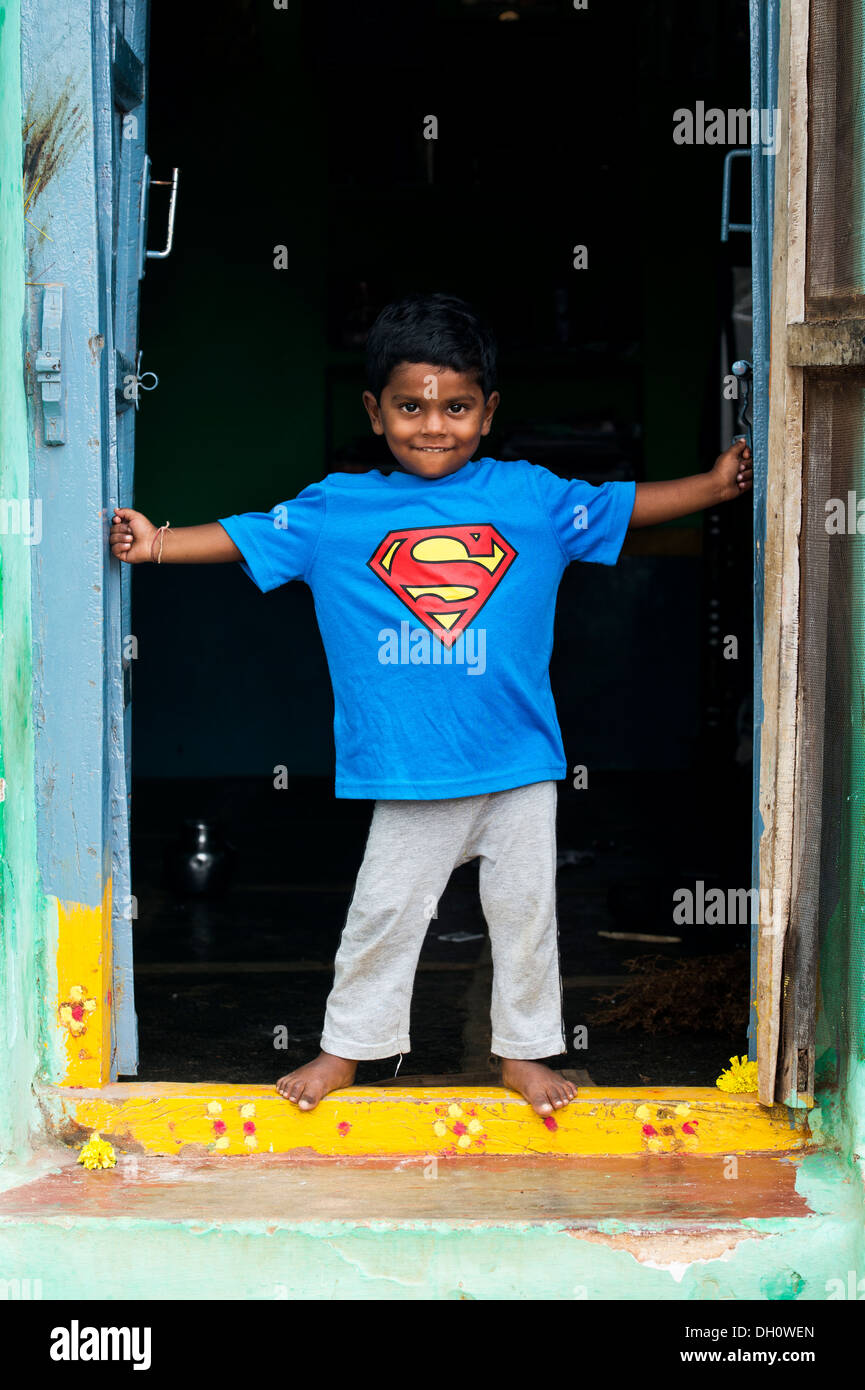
<point x="545" y="1090"/>
<point x="309" y="1084"/>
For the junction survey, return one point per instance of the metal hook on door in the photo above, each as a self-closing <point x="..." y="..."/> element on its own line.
<point x="132" y="379"/>
<point x="139" y="378"/>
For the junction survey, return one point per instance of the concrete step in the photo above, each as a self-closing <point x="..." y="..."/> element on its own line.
<point x="628" y="1226"/>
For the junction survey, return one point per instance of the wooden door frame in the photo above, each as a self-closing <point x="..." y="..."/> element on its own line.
<point x="74" y="734"/>
<point x="792" y="716"/>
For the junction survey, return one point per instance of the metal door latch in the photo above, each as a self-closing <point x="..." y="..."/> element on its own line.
<point x="48" y="366"/>
<point x="130" y="381"/>
<point x="745" y="374"/>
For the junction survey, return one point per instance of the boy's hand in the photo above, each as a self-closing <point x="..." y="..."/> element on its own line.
<point x="131" y="536"/>
<point x="731" y="474"/>
<point x="733" y="470"/>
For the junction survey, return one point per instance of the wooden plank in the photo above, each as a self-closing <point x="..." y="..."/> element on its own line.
<point x="827" y="343"/>
<point x="793" y="84"/>
<point x="783" y="519"/>
<point x="195" y="1120"/>
<point x="798" y="1021"/>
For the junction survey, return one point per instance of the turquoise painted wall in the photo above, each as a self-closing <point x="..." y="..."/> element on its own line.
<point x="23" y="975"/>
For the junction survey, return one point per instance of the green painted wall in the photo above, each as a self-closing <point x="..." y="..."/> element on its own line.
<point x="23" y="976"/>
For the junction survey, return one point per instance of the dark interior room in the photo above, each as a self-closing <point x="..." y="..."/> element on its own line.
<point x="314" y="189"/>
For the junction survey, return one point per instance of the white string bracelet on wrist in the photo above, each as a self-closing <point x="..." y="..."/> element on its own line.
<point x="161" y="534"/>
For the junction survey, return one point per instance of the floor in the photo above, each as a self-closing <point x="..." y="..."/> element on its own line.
<point x="232" y="988"/>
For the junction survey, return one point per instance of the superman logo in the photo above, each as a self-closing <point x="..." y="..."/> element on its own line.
<point x="443" y="574"/>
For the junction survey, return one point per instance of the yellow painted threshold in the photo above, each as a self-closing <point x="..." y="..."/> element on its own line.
<point x="179" y="1118"/>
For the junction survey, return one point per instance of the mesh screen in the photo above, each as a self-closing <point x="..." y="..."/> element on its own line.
<point x="831" y="772"/>
<point x="835" y="276"/>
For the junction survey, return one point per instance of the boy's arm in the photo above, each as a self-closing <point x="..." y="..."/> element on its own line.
<point x="731" y="475"/>
<point x="133" y="540"/>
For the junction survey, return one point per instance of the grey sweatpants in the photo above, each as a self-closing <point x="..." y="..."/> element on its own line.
<point x="412" y="848"/>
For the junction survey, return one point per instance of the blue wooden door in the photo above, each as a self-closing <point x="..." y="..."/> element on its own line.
<point x="128" y="202"/>
<point x="84" y="79"/>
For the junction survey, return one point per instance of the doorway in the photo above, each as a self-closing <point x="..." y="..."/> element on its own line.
<point x="553" y="132"/>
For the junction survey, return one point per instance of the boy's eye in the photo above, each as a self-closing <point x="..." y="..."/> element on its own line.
<point x="409" y="405"/>
<point x="458" y="405"/>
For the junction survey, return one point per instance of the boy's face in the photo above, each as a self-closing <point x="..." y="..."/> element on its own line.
<point x="432" y="418"/>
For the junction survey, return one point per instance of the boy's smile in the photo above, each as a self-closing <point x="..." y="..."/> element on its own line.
<point x="433" y="418"/>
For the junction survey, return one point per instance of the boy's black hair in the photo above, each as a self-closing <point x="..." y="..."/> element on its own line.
<point x="436" y="328"/>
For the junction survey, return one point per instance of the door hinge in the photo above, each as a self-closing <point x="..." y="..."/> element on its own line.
<point x="127" y="73"/>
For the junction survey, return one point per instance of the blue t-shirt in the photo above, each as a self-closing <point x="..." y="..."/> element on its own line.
<point x="435" y="599"/>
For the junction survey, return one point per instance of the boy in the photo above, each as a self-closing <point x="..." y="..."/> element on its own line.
<point x="435" y="589"/>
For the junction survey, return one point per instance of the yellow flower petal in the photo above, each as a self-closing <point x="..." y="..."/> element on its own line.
<point x="740" y="1077"/>
<point x="97" y="1153"/>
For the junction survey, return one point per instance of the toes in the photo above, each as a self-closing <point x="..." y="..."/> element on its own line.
<point x="289" y="1087"/>
<point x="558" y="1095"/>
